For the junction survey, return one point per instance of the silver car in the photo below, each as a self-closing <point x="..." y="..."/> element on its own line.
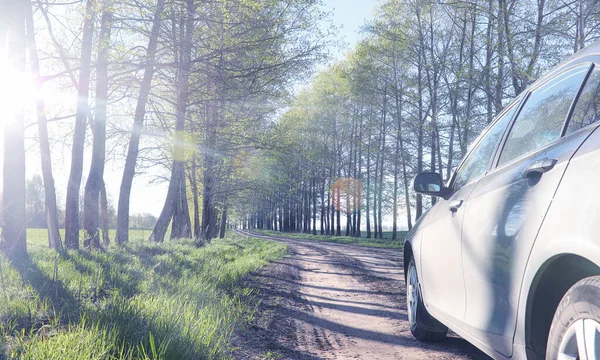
<point x="509" y="256"/>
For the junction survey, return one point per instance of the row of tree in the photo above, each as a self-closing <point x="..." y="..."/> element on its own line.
<point x="35" y="208"/>
<point x="411" y="97"/>
<point x="183" y="87"/>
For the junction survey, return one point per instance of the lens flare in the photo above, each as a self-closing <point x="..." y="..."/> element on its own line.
<point x="15" y="89"/>
<point x="346" y="194"/>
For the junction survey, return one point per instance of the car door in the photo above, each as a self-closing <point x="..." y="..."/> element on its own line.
<point x="442" y="276"/>
<point x="508" y="205"/>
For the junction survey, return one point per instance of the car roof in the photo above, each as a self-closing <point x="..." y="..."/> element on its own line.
<point x="592" y="49"/>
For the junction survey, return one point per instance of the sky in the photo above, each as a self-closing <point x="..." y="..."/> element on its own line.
<point x="347" y="16"/>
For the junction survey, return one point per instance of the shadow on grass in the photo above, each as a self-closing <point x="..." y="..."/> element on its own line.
<point x="132" y="322"/>
<point x="65" y="305"/>
<point x="113" y="274"/>
<point x="134" y="299"/>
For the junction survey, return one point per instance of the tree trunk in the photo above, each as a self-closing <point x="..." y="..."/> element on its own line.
<point x="488" y="66"/>
<point x="95" y="180"/>
<point x="177" y="170"/>
<point x="368" y="198"/>
<point x="396" y="162"/>
<point x="12" y="34"/>
<point x="333" y="206"/>
<point x="470" y="88"/>
<point x="104" y="215"/>
<point x="349" y="185"/>
<point x="136" y="132"/>
<point x="181" y="228"/>
<point x="323" y="210"/>
<point x="348" y="208"/>
<point x="501" y="50"/>
<point x="382" y="169"/>
<point x="73" y="187"/>
<point x="223" y="221"/>
<point x="166" y="214"/>
<point x="537" y="44"/>
<point x="280" y="210"/>
<point x="376" y="189"/>
<point x="421" y="119"/>
<point x="54" y="240"/>
<point x="404" y="172"/>
<point x="209" y="211"/>
<point x="197" y="226"/>
<point x="338" y="230"/>
<point x="359" y="178"/>
<point x="209" y="223"/>
<point x="314" y="206"/>
<point x="329" y="213"/>
<point x="581" y="24"/>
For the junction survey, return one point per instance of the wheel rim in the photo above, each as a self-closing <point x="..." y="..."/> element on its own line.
<point x="412" y="295"/>
<point x="581" y="341"/>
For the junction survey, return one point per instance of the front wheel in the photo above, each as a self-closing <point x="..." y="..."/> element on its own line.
<point x="575" y="330"/>
<point x="422" y="325"/>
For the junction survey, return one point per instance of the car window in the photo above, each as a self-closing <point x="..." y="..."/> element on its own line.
<point x="478" y="161"/>
<point x="587" y="108"/>
<point x="542" y="118"/>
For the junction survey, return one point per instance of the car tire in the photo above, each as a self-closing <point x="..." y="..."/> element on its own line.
<point x="576" y="323"/>
<point x="422" y="325"/>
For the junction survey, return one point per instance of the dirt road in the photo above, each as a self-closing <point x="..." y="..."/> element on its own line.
<point x="335" y="301"/>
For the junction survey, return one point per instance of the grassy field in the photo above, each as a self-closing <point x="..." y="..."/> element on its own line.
<point x="386" y="242"/>
<point x="142" y="301"/>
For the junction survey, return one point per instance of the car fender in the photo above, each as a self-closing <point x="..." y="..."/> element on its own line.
<point x="543" y="254"/>
<point x="414" y="240"/>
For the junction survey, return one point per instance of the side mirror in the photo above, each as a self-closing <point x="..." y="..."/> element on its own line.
<point x="429" y="183"/>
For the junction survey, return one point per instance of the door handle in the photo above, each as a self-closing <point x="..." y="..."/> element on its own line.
<point x="539" y="167"/>
<point x="455" y="205"/>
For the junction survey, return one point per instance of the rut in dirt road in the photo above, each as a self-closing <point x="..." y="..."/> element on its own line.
<point x="350" y="304"/>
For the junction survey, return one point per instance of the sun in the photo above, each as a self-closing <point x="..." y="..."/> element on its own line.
<point x="16" y="88"/>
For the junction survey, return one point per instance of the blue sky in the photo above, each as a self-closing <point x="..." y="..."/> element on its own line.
<point x="348" y="16"/>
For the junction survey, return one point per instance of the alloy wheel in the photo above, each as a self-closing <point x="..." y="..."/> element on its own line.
<point x="581" y="341"/>
<point x="412" y="295"/>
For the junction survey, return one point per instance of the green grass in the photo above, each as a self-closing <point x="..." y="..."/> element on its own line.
<point x="142" y="301"/>
<point x="386" y="242"/>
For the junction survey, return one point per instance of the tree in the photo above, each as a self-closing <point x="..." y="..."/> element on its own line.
<point x="242" y="67"/>
<point x="122" y="235"/>
<point x="142" y="221"/>
<point x="74" y="184"/>
<point x="35" y="203"/>
<point x="54" y="240"/>
<point x="12" y="33"/>
<point x="95" y="180"/>
<point x="176" y="192"/>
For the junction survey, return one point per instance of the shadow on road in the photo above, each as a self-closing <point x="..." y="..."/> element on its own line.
<point x="332" y="304"/>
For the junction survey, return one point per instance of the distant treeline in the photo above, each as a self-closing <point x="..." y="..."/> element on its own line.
<point x="428" y="77"/>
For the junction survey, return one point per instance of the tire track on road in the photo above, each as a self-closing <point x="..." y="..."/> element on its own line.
<point x="353" y="305"/>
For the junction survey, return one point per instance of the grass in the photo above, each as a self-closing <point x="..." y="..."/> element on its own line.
<point x="386" y="242"/>
<point x="142" y="301"/>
